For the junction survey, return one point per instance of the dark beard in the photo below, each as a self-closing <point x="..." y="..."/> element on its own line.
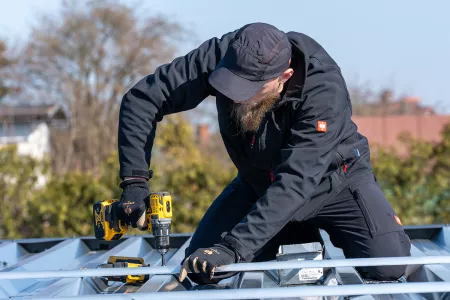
<point x="248" y="118"/>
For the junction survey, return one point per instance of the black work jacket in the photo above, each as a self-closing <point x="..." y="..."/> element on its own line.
<point x="307" y="137"/>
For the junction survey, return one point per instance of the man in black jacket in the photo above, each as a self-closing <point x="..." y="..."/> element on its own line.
<point x="285" y="118"/>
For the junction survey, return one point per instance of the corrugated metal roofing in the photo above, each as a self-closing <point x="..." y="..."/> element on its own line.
<point x="87" y="253"/>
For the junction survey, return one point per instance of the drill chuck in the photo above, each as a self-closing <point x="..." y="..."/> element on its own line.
<point x="162" y="243"/>
<point x="161" y="231"/>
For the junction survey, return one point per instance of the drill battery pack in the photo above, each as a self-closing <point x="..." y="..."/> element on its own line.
<point x="107" y="225"/>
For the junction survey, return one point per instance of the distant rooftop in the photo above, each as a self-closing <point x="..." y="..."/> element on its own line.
<point x="385" y="131"/>
<point x="386" y="105"/>
<point x="23" y="112"/>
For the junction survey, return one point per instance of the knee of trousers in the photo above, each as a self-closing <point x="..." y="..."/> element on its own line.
<point x="394" y="244"/>
<point x="382" y="273"/>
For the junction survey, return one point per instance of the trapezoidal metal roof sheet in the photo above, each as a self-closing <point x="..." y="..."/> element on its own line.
<point x="44" y="268"/>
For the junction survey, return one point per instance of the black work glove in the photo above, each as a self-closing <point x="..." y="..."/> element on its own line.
<point x="133" y="203"/>
<point x="205" y="261"/>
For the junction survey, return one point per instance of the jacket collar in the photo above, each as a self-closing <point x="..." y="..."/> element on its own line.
<point x="300" y="58"/>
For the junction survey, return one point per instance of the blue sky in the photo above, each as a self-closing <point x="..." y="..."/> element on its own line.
<point x="402" y="44"/>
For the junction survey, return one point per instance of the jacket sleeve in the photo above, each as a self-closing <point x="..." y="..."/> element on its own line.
<point x="178" y="86"/>
<point x="305" y="159"/>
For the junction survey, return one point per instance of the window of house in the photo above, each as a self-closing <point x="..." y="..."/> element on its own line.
<point x="12" y="130"/>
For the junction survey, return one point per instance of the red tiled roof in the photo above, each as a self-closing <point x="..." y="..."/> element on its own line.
<point x="384" y="131"/>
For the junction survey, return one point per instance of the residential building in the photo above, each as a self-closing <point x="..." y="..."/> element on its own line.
<point x="387" y="105"/>
<point x="29" y="127"/>
<point x="385" y="131"/>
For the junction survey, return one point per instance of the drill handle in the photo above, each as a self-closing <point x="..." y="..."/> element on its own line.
<point x="115" y="221"/>
<point x="148" y="218"/>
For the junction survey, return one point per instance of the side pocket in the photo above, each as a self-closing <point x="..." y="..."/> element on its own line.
<point x="378" y="212"/>
<point x="338" y="160"/>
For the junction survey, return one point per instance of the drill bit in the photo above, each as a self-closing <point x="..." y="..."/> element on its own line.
<point x="163" y="260"/>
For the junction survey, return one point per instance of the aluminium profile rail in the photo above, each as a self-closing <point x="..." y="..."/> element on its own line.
<point x="240" y="267"/>
<point x="286" y="292"/>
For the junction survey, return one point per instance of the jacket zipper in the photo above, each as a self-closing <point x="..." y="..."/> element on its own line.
<point x="252" y="143"/>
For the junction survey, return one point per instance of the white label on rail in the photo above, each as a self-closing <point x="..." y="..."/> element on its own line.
<point x="310" y="274"/>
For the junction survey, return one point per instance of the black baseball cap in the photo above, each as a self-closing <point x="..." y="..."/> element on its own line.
<point x="258" y="53"/>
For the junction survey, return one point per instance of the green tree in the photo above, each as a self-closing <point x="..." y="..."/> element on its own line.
<point x="64" y="207"/>
<point x="417" y="184"/>
<point x="19" y="183"/>
<point x="3" y="63"/>
<point x="6" y="61"/>
<point x="109" y="175"/>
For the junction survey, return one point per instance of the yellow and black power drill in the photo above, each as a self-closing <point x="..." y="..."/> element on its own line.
<point x="125" y="262"/>
<point x="108" y="226"/>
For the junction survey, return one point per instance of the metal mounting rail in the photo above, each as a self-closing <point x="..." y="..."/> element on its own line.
<point x="272" y="265"/>
<point x="286" y="292"/>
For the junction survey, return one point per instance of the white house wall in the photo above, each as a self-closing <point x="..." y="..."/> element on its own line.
<point x="37" y="143"/>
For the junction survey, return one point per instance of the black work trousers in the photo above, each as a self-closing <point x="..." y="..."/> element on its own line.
<point x="351" y="208"/>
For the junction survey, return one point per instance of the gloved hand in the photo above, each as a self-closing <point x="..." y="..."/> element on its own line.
<point x="133" y="202"/>
<point x="205" y="260"/>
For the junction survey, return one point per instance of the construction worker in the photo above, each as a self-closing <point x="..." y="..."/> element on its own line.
<point x="284" y="113"/>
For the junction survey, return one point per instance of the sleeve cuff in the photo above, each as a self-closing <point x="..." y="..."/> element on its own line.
<point x="243" y="252"/>
<point x="128" y="172"/>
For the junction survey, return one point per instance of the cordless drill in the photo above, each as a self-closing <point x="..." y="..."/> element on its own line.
<point x="159" y="218"/>
<point x="108" y="226"/>
<point x="125" y="262"/>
